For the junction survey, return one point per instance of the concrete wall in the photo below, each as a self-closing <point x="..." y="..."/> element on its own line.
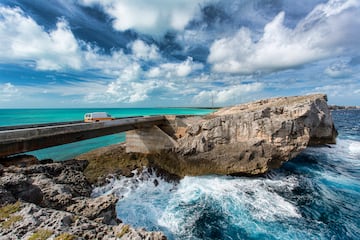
<point x="148" y="140"/>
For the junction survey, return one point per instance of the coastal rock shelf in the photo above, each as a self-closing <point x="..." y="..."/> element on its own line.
<point x="53" y="200"/>
<point x="247" y="139"/>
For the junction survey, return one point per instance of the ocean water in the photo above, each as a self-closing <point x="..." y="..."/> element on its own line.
<point x="10" y="117"/>
<point x="314" y="196"/>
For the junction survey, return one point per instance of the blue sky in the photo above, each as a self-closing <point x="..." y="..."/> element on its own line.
<point x="161" y="53"/>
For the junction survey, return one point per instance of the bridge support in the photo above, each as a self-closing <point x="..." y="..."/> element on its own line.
<point x="148" y="140"/>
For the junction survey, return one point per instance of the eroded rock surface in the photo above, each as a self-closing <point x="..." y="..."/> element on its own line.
<point x="55" y="198"/>
<point x="34" y="219"/>
<point x="255" y="137"/>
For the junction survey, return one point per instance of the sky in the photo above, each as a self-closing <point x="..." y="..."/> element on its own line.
<point x="178" y="53"/>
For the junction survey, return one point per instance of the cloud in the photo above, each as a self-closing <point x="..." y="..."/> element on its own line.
<point x="149" y="17"/>
<point x="23" y="39"/>
<point x="8" y="92"/>
<point x="136" y="85"/>
<point x="170" y="70"/>
<point x="228" y="95"/>
<point x="338" y="70"/>
<point x="348" y="90"/>
<point x="144" y="51"/>
<point x="322" y="33"/>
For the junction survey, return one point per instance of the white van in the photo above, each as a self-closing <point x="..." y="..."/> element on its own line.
<point x="97" y="117"/>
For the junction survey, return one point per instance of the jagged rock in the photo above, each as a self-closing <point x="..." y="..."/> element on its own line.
<point x="100" y="209"/>
<point x="21" y="187"/>
<point x="22" y="160"/>
<point x="57" y="196"/>
<point x="63" y="206"/>
<point x="49" y="185"/>
<point x="6" y="197"/>
<point x="255" y="137"/>
<point x="55" y="222"/>
<point x="247" y="139"/>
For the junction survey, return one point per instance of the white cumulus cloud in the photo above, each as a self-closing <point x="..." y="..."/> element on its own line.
<point x="23" y="39"/>
<point x="228" y="95"/>
<point x="7" y="92"/>
<point x="322" y="33"/>
<point x="149" y="17"/>
<point x="144" y="51"/>
<point x="170" y="70"/>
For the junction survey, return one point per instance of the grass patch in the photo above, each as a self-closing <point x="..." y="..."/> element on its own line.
<point x="9" y="209"/>
<point x="124" y="230"/>
<point x="10" y="221"/>
<point x="41" y="234"/>
<point x="65" y="236"/>
<point x="6" y="217"/>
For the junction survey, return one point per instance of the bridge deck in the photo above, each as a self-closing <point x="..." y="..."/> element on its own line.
<point x="18" y="139"/>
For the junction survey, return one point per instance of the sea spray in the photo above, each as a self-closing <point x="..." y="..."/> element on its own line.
<point x="208" y="207"/>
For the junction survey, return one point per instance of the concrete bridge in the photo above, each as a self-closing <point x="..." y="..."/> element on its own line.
<point x="144" y="134"/>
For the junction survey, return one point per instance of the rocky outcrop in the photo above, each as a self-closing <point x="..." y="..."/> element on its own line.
<point x="55" y="198"/>
<point x="31" y="221"/>
<point x="255" y="137"/>
<point x="246" y="139"/>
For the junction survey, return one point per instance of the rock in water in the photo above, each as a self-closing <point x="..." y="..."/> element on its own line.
<point x="250" y="139"/>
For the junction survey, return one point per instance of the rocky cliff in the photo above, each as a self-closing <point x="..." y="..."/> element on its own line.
<point x="247" y="139"/>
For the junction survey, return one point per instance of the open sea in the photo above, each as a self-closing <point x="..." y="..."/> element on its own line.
<point x="314" y="196"/>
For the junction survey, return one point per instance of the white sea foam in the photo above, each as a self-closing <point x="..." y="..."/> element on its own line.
<point x="354" y="148"/>
<point x="177" y="208"/>
<point x="244" y="202"/>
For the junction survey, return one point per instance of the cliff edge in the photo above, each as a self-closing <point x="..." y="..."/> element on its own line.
<point x="248" y="139"/>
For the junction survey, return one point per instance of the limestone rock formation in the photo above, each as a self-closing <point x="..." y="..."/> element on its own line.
<point x="253" y="138"/>
<point x="246" y="139"/>
<point x="31" y="221"/>
<point x="54" y="199"/>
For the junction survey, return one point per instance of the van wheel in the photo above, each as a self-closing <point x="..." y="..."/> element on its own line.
<point x="97" y="121"/>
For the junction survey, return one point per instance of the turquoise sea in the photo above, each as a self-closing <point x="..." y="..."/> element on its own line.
<point x="9" y="117"/>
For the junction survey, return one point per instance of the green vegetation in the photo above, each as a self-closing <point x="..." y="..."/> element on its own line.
<point x="10" y="221"/>
<point x="41" y="234"/>
<point x="124" y="230"/>
<point x="65" y="236"/>
<point x="7" y="210"/>
<point x="6" y="217"/>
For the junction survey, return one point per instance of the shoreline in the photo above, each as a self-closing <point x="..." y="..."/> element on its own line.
<point x="53" y="198"/>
